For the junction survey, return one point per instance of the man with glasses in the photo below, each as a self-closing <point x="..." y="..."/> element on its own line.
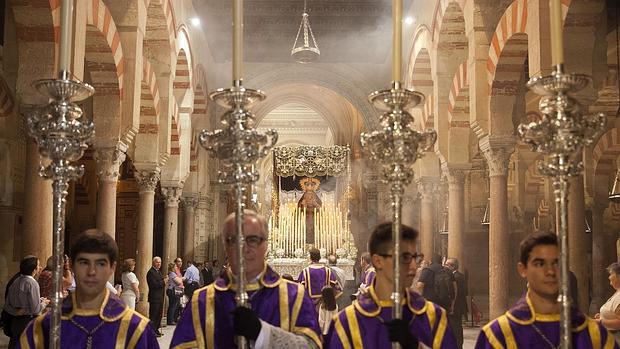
<point x="280" y="316"/>
<point x="368" y="321"/>
<point x="316" y="276"/>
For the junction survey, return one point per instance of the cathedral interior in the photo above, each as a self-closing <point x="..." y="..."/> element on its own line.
<point x="148" y="181"/>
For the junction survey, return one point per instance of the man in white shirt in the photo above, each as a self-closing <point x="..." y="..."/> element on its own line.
<point x="192" y="279"/>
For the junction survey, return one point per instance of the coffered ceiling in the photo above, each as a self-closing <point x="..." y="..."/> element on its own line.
<point x="346" y="31"/>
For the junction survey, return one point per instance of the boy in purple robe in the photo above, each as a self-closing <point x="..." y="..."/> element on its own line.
<point x="534" y="322"/>
<point x="368" y="323"/>
<point x="281" y="314"/>
<point x="92" y="317"/>
<point x="316" y="276"/>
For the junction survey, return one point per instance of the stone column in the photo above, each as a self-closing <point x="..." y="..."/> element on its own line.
<point x="189" y="208"/>
<point x="600" y="245"/>
<point x="497" y="153"/>
<point x="108" y="161"/>
<point x="171" y="194"/>
<point x="147" y="182"/>
<point x="578" y="241"/>
<point x="456" y="211"/>
<point x="426" y="188"/>
<point x="38" y="202"/>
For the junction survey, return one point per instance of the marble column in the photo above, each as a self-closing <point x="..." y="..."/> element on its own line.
<point x="189" y="208"/>
<point x="497" y="153"/>
<point x="147" y="182"/>
<point x="578" y="241"/>
<point x="109" y="161"/>
<point x="600" y="259"/>
<point x="38" y="202"/>
<point x="426" y="188"/>
<point x="172" y="195"/>
<point x="456" y="212"/>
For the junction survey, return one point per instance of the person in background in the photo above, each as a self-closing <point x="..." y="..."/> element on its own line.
<point x="192" y="279"/>
<point x="174" y="291"/>
<point x="131" y="293"/>
<point x="327" y="308"/>
<point x="91" y="316"/>
<point x="206" y="274"/>
<point x="217" y="269"/>
<point x="315" y="276"/>
<point x="45" y="278"/>
<point x="368" y="271"/>
<point x="332" y="262"/>
<point x="24" y="300"/>
<point x="460" y="303"/>
<point x="157" y="283"/>
<point x="609" y="315"/>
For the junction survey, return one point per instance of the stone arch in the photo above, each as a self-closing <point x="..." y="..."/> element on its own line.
<point x="420" y="74"/>
<point x="103" y="58"/>
<point x="149" y="117"/>
<point x="458" y="107"/>
<point x="451" y="43"/>
<point x="605" y="153"/>
<point x="200" y="91"/>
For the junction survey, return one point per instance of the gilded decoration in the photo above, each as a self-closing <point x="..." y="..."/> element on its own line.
<point x="310" y="160"/>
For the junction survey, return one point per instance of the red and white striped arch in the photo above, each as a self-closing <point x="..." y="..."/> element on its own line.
<point x="606" y="152"/>
<point x="513" y="22"/>
<point x="200" y="91"/>
<point x="458" y="106"/>
<point x="103" y="51"/>
<point x="149" y="101"/>
<point x="193" y="157"/>
<point x="441" y="8"/>
<point x="175" y="146"/>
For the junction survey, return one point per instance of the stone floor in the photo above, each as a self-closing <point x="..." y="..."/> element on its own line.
<point x="470" y="334"/>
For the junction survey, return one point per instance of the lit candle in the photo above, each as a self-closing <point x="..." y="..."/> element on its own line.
<point x="66" y="24"/>
<point x="397" y="37"/>
<point x="557" y="43"/>
<point x="237" y="39"/>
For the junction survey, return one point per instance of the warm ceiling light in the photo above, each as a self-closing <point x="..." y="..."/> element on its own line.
<point x="409" y="20"/>
<point x="195" y="21"/>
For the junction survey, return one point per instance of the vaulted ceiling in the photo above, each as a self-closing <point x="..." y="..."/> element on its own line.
<point x="346" y="31"/>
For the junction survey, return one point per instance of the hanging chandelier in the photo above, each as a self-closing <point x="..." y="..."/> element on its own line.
<point x="306" y="51"/>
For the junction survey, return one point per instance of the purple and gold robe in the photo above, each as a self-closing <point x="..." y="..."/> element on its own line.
<point x="361" y="325"/>
<point x="122" y="328"/>
<point x="517" y="329"/>
<point x="316" y="276"/>
<point x="368" y="275"/>
<point x="275" y="300"/>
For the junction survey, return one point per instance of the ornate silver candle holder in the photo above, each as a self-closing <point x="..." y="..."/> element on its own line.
<point x="397" y="146"/>
<point x="62" y="137"/>
<point x="238" y="145"/>
<point x="561" y="135"/>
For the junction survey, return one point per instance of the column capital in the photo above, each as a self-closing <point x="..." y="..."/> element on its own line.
<point x="108" y="161"/>
<point x="172" y="194"/>
<point x="497" y="151"/>
<point x="147" y="180"/>
<point x="427" y="187"/>
<point x="455" y="173"/>
<point x="190" y="202"/>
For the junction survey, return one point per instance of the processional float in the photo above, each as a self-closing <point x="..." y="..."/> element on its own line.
<point x="238" y="146"/>
<point x="397" y="145"/>
<point x="560" y="135"/>
<point x="62" y="137"/>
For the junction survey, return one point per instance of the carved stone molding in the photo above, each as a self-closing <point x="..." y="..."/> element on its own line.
<point x="455" y="174"/>
<point x="497" y="152"/>
<point x="190" y="202"/>
<point x="147" y="180"/>
<point x="109" y="161"/>
<point x="427" y="188"/>
<point x="172" y="195"/>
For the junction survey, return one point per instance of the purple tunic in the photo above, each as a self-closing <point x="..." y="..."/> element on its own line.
<point x="360" y="325"/>
<point x="275" y="300"/>
<point x="368" y="276"/>
<point x="316" y="276"/>
<point x="122" y="327"/>
<point x="517" y="328"/>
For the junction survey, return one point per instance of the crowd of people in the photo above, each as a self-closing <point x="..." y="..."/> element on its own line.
<point x="306" y="311"/>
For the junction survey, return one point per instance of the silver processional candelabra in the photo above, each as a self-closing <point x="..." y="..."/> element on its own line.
<point x="397" y="146"/>
<point x="62" y="137"/>
<point x="238" y="145"/>
<point x="560" y="135"/>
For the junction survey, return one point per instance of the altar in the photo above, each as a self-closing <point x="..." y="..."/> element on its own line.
<point x="310" y="208"/>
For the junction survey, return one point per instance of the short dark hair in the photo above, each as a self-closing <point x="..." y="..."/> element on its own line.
<point x="28" y="265"/>
<point x="94" y="241"/>
<point x="382" y="236"/>
<point x="328" y="297"/>
<point x="315" y="255"/>
<point x="533" y="240"/>
<point x="437" y="258"/>
<point x="366" y="257"/>
<point x="288" y="277"/>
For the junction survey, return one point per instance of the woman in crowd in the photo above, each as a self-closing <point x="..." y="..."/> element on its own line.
<point x="610" y="311"/>
<point x="174" y="293"/>
<point x="131" y="292"/>
<point x="327" y="308"/>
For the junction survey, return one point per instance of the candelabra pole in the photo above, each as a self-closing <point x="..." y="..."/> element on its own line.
<point x="561" y="134"/>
